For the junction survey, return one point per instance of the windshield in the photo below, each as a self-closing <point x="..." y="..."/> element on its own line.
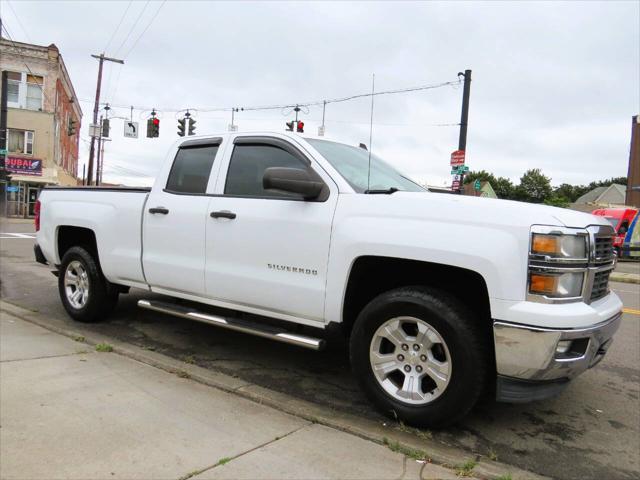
<point x="353" y="164"/>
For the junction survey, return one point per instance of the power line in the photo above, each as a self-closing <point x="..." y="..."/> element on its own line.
<point x="145" y="29"/>
<point x="4" y="26"/>
<point x="261" y="119"/>
<point x="24" y="30"/>
<point x="135" y="23"/>
<point x="112" y="94"/>
<point x="118" y="27"/>
<point x="289" y="105"/>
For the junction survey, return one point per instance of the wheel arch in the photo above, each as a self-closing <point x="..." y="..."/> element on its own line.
<point x="69" y="236"/>
<point x="372" y="275"/>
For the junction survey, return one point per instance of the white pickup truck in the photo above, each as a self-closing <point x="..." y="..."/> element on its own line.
<point x="441" y="296"/>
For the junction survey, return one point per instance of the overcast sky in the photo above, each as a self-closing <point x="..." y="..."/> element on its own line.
<point x="554" y="84"/>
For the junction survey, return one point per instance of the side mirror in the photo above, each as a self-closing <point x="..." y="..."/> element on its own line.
<point x="293" y="180"/>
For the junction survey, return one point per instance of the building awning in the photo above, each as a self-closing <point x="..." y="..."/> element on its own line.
<point x="32" y="179"/>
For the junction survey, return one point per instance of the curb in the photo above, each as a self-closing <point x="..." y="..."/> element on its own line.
<point x="380" y="433"/>
<point x="624" y="277"/>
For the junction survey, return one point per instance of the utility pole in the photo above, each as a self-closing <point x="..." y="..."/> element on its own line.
<point x="464" y="117"/>
<point x="96" y="107"/>
<point x="3" y="126"/>
<point x="99" y="155"/>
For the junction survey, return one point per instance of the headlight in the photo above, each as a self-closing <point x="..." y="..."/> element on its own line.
<point x="559" y="246"/>
<point x="556" y="284"/>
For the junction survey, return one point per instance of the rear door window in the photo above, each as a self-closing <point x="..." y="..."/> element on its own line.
<point x="191" y="169"/>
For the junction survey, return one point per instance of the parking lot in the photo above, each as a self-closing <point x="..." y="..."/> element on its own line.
<point x="591" y="431"/>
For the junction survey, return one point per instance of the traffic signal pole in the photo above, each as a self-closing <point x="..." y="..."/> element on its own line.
<point x="464" y="117"/>
<point x="4" y="133"/>
<point x="96" y="108"/>
<point x="99" y="155"/>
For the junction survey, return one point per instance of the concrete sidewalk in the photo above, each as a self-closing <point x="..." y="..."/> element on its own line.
<point x="68" y="411"/>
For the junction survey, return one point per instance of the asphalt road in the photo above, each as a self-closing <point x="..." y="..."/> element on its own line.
<point x="591" y="431"/>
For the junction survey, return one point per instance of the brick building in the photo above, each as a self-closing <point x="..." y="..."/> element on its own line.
<point x="43" y="125"/>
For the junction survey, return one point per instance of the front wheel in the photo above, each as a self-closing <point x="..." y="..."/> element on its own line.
<point x="419" y="355"/>
<point x="85" y="293"/>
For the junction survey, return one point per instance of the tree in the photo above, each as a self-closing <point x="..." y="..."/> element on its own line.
<point x="481" y="175"/>
<point x="557" y="201"/>
<point x="501" y="185"/>
<point x="504" y="188"/>
<point x="534" y="186"/>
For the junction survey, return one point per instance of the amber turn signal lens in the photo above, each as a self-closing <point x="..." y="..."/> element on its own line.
<point x="543" y="284"/>
<point x="545" y="244"/>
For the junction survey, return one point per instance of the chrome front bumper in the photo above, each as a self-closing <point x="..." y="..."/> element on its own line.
<point x="536" y="354"/>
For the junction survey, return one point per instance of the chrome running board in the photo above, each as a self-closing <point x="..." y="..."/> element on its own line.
<point x="265" y="331"/>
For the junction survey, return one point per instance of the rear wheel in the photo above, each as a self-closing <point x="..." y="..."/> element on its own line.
<point x="419" y="356"/>
<point x="86" y="295"/>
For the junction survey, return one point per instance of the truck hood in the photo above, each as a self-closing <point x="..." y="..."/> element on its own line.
<point x="478" y="210"/>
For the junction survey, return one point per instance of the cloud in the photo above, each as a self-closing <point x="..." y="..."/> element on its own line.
<point x="554" y="84"/>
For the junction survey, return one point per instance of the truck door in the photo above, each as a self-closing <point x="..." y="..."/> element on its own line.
<point x="174" y="221"/>
<point x="267" y="251"/>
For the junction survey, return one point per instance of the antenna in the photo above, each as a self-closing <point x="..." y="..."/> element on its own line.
<point x="373" y="89"/>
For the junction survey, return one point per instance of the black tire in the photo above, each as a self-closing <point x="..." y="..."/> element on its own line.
<point x="102" y="297"/>
<point x="459" y="330"/>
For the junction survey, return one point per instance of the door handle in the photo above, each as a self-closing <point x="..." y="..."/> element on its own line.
<point x="223" y="214"/>
<point x="161" y="210"/>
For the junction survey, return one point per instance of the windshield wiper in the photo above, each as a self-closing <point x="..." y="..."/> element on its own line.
<point x="387" y="191"/>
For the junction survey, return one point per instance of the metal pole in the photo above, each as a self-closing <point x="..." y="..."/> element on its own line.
<point x="3" y="121"/>
<point x="99" y="155"/>
<point x="96" y="107"/>
<point x="102" y="159"/>
<point x="464" y="117"/>
<point x="84" y="168"/>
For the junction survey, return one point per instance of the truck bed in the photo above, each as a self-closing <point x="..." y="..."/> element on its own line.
<point x="114" y="214"/>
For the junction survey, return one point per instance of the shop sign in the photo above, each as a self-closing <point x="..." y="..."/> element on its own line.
<point x="24" y="166"/>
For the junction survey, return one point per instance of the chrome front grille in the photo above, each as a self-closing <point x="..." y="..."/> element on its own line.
<point x="602" y="262"/>
<point x="603" y="251"/>
<point x="600" y="286"/>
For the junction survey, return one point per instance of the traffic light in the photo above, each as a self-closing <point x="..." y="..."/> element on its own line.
<point x="181" y="126"/>
<point x="290" y="126"/>
<point x="71" y="127"/>
<point x="105" y="128"/>
<point x="192" y="126"/>
<point x="153" y="127"/>
<point x="300" y="128"/>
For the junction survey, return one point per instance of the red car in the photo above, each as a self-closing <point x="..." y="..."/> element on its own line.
<point x="620" y="219"/>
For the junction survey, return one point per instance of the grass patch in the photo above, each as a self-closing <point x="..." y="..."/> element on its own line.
<point x="190" y="360"/>
<point x="397" y="447"/>
<point x="466" y="469"/>
<point x="183" y="374"/>
<point x="423" y="434"/>
<point x="493" y="456"/>
<point x="104" y="347"/>
<point x="78" y="338"/>
<point x="150" y="348"/>
<point x="504" y="477"/>
<point x="223" y="461"/>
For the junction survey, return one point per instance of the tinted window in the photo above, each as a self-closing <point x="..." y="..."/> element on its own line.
<point x="191" y="169"/>
<point x="247" y="167"/>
